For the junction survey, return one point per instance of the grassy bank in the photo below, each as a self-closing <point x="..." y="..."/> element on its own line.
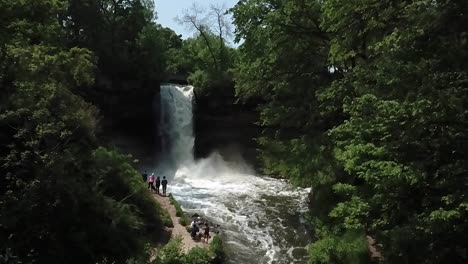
<point x="183" y="219"/>
<point x="165" y="217"/>
<point x="173" y="252"/>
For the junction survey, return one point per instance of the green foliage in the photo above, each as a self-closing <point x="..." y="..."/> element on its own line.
<point x="131" y="53"/>
<point x="183" y="220"/>
<point x="172" y="253"/>
<point x="165" y="217"/>
<point x="206" y="59"/>
<point x="198" y="255"/>
<point x="119" y="180"/>
<point x="283" y="62"/>
<point x="208" y="72"/>
<point x="217" y="248"/>
<point x="63" y="199"/>
<point x="403" y="136"/>
<point x="349" y="248"/>
<point x="369" y="112"/>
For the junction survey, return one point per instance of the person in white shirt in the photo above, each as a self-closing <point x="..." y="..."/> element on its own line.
<point x="193" y="229"/>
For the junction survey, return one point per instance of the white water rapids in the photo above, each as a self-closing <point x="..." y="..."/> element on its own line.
<point x="261" y="218"/>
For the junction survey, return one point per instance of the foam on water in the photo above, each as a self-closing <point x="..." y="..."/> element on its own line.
<point x="260" y="217"/>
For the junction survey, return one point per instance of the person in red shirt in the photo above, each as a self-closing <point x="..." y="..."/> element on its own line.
<point x="150" y="182"/>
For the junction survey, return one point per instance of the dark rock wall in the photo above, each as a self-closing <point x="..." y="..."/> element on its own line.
<point x="130" y="111"/>
<point x="222" y="125"/>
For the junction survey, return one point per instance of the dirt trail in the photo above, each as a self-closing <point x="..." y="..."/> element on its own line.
<point x="178" y="229"/>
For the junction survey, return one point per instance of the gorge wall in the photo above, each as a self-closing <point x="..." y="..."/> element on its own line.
<point x="131" y="112"/>
<point x="228" y="127"/>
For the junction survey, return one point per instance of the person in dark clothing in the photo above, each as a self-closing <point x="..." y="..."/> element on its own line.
<point x="193" y="229"/>
<point x="157" y="183"/>
<point x="164" y="185"/>
<point x="206" y="234"/>
<point x="145" y="176"/>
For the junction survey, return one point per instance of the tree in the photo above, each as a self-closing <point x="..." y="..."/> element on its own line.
<point x="403" y="140"/>
<point x="206" y="57"/>
<point x="131" y="53"/>
<point x="62" y="199"/>
<point x="284" y="61"/>
<point x="370" y="112"/>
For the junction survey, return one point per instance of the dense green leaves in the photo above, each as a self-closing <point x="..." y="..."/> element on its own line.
<point x="211" y="76"/>
<point x="365" y="101"/>
<point x="206" y="58"/>
<point x="62" y="199"/>
<point x="173" y="253"/>
<point x="131" y="53"/>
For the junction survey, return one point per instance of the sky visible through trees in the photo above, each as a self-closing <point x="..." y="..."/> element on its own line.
<point x="168" y="10"/>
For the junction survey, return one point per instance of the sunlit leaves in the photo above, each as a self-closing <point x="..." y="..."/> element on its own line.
<point x="391" y="114"/>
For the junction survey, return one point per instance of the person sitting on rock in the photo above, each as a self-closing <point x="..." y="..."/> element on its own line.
<point x="193" y="229"/>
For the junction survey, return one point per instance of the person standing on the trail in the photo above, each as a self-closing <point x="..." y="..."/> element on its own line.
<point x="158" y="183"/>
<point x="206" y="234"/>
<point x="164" y="185"/>
<point x="193" y="229"/>
<point x="145" y="176"/>
<point x="150" y="182"/>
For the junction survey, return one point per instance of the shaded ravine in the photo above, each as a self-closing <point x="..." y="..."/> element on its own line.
<point x="262" y="219"/>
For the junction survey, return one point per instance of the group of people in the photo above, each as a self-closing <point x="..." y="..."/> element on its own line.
<point x="194" y="229"/>
<point x="155" y="182"/>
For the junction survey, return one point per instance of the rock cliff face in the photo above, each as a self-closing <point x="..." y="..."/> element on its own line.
<point x="130" y="113"/>
<point x="227" y="127"/>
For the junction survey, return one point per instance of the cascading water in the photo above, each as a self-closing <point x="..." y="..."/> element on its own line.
<point x="261" y="218"/>
<point x="176" y="123"/>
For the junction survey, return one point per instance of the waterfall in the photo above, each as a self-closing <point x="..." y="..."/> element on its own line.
<point x="177" y="123"/>
<point x="261" y="218"/>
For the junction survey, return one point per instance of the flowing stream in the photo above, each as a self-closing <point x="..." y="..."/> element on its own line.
<point x="261" y="219"/>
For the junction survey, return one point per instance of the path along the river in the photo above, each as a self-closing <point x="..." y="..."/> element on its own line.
<point x="178" y="230"/>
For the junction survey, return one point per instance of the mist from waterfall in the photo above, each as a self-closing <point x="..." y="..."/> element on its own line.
<point x="177" y="124"/>
<point x="261" y="218"/>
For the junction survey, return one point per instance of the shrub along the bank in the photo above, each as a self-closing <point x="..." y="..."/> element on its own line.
<point x="173" y="253"/>
<point x="118" y="179"/>
<point x="183" y="219"/>
<point x="63" y="199"/>
<point x="217" y="248"/>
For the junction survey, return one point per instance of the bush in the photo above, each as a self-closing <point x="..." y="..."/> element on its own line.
<point x="198" y="255"/>
<point x="348" y="248"/>
<point x="183" y="220"/>
<point x="130" y="207"/>
<point x="119" y="180"/>
<point x="172" y="253"/>
<point x="165" y="216"/>
<point x="217" y="248"/>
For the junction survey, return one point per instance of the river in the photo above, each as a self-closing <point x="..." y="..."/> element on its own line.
<point x="262" y="219"/>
